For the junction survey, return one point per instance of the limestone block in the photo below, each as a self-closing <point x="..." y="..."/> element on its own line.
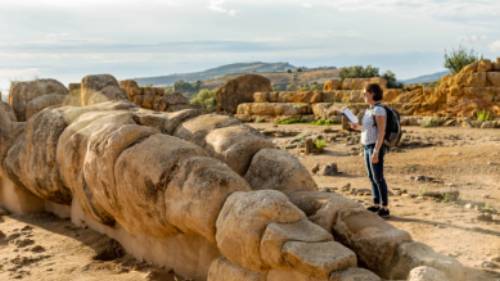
<point x="196" y="193"/>
<point x="318" y="258"/>
<point x="425" y="273"/>
<point x="374" y="240"/>
<point x="277" y="169"/>
<point x="236" y="146"/>
<point x="196" y="129"/>
<point x="243" y="220"/>
<point x="413" y="254"/>
<point x="354" y="274"/>
<point x="277" y="234"/>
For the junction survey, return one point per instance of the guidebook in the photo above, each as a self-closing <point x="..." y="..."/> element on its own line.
<point x="350" y="116"/>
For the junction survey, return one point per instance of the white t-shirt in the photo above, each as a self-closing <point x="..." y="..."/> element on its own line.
<point x="369" y="130"/>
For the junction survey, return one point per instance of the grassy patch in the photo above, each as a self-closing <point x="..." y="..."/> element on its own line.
<point x="322" y="122"/>
<point x="484" y="115"/>
<point x="320" y="144"/>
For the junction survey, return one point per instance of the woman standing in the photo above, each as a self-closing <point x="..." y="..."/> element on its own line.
<point x="372" y="138"/>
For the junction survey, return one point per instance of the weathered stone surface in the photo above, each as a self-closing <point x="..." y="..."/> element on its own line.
<point x="6" y="114"/>
<point x="494" y="79"/>
<point x="71" y="155"/>
<point x="196" y="129"/>
<point x="41" y="102"/>
<point x="374" y="240"/>
<point x="354" y="274"/>
<point x="413" y="254"/>
<point x="361" y="83"/>
<point x="9" y="132"/>
<point x="100" y="88"/>
<point x="240" y="90"/>
<point x="323" y="208"/>
<point x="326" y="111"/>
<point x="277" y="169"/>
<point x="32" y="159"/>
<point x="331" y="85"/>
<point x="21" y="93"/>
<point x="105" y="144"/>
<point x="236" y="145"/>
<point x="145" y="170"/>
<point x="243" y="220"/>
<point x="196" y="193"/>
<point x="318" y="258"/>
<point x="277" y="234"/>
<point x="274" y="109"/>
<point x="426" y="273"/>
<point x="223" y="270"/>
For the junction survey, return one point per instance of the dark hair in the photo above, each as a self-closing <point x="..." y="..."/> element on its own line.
<point x="375" y="89"/>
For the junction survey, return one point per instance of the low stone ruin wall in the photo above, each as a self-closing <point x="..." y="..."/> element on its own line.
<point x="202" y="194"/>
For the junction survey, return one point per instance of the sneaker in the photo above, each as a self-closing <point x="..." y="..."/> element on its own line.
<point x="373" y="209"/>
<point x="384" y="212"/>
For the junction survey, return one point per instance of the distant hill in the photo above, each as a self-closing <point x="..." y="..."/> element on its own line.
<point x="213" y="73"/>
<point x="280" y="80"/>
<point x="429" y="78"/>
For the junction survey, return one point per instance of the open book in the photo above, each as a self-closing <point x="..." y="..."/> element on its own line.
<point x="350" y="116"/>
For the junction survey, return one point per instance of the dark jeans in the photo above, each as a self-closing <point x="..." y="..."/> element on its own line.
<point x="376" y="175"/>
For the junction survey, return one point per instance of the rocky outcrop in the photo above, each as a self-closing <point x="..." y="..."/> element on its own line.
<point x="240" y="90"/>
<point x="154" y="98"/>
<point x="27" y="98"/>
<point x="100" y="88"/>
<point x="204" y="195"/>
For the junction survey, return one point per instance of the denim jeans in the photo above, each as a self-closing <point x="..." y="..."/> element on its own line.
<point x="376" y="175"/>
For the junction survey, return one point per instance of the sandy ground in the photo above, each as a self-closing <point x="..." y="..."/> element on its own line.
<point x="43" y="247"/>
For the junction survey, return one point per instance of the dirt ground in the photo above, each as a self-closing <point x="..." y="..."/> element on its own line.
<point x="424" y="177"/>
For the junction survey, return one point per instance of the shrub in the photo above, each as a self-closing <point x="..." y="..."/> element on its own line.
<point x="206" y="99"/>
<point x="392" y="82"/>
<point x="289" y="120"/>
<point x="459" y="58"/>
<point x="483" y="115"/>
<point x="359" y="71"/>
<point x="320" y="144"/>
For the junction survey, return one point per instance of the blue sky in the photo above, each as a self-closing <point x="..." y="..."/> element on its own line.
<point x="66" y="40"/>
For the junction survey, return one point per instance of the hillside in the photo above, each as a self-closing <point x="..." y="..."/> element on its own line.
<point x="428" y="78"/>
<point x="252" y="67"/>
<point x="280" y="80"/>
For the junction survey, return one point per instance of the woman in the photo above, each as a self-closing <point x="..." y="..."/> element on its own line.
<point x="372" y="138"/>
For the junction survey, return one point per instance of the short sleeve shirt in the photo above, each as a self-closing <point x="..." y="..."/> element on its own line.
<point x="369" y="130"/>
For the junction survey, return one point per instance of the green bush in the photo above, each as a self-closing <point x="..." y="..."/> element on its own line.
<point x="206" y="99"/>
<point x="483" y="115"/>
<point x="359" y="71"/>
<point x="459" y="58"/>
<point x="289" y="120"/>
<point x="392" y="82"/>
<point x="320" y="144"/>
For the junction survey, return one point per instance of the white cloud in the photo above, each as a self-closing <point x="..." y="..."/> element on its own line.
<point x="495" y="46"/>
<point x="217" y="6"/>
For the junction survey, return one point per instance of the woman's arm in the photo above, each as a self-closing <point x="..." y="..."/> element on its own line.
<point x="380" y="137"/>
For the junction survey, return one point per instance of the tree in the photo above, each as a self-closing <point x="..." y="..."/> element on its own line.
<point x="392" y="82"/>
<point x="206" y="99"/>
<point x="359" y="71"/>
<point x="459" y="58"/>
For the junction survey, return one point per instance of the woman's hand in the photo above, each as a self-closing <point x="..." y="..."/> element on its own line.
<point x="375" y="157"/>
<point x="355" y="126"/>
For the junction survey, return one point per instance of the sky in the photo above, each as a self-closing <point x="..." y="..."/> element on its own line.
<point x="68" y="39"/>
